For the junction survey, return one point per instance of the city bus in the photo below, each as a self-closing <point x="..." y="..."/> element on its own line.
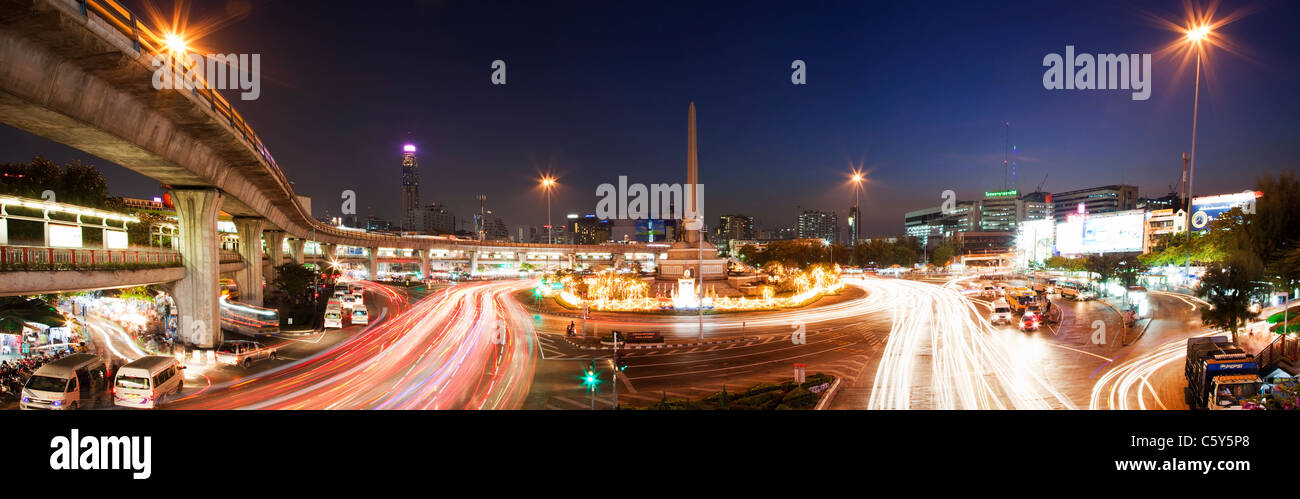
<point x="248" y="319"/>
<point x="1073" y="290"/>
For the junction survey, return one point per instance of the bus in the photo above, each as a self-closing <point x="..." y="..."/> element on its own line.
<point x="1073" y="290"/>
<point x="247" y="319"/>
<point x="229" y="287"/>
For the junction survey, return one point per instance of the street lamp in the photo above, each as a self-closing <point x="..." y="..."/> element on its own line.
<point x="1196" y="37"/>
<point x="857" y="186"/>
<point x="855" y="215"/>
<point x="548" y="183"/>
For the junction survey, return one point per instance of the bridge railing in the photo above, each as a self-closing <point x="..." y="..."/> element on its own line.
<point x="148" y="41"/>
<point x="19" y="258"/>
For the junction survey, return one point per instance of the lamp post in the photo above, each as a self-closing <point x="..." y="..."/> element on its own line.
<point x="1195" y="36"/>
<point x="548" y="183"/>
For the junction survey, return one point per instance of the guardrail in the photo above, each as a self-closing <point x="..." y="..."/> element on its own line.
<point x="13" y="258"/>
<point x="1282" y="348"/>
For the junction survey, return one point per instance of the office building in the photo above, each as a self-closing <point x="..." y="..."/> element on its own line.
<point x="410" y="189"/>
<point x="819" y="225"/>
<point x="436" y="219"/>
<point x="1105" y="199"/>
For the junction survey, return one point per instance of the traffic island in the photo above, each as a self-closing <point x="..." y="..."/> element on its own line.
<point x="784" y="396"/>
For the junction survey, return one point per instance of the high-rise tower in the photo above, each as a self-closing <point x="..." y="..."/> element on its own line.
<point x="410" y="189"/>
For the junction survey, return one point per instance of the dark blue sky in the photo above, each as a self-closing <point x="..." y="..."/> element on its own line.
<point x="917" y="90"/>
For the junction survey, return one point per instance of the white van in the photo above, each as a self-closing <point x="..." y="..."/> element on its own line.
<point x="333" y="317"/>
<point x="65" y="383"/>
<point x="360" y="315"/>
<point x="147" y="382"/>
<point x="1001" y="312"/>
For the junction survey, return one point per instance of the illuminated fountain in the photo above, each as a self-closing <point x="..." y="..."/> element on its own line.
<point x="610" y="292"/>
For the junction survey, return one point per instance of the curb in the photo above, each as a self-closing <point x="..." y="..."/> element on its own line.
<point x="825" y="401"/>
<point x="659" y="345"/>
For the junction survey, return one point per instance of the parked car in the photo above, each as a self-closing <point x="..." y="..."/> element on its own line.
<point x="244" y="352"/>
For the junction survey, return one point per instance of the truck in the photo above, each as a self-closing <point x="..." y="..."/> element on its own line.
<point x="1220" y="375"/>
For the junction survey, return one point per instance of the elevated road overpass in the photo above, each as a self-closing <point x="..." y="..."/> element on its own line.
<point x="80" y="72"/>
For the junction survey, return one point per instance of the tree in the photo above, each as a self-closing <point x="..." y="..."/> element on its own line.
<point x="1129" y="270"/>
<point x="292" y="281"/>
<point x="76" y="183"/>
<point x="1105" y="266"/>
<point x="1272" y="230"/>
<point x="942" y="255"/>
<point x="1230" y="287"/>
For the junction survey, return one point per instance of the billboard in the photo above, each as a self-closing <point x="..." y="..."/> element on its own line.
<point x="1069" y="236"/>
<point x="650" y="230"/>
<point x="1207" y="208"/>
<point x="1119" y="232"/>
<point x="1034" y="241"/>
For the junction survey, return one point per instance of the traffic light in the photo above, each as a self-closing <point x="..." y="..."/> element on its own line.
<point x="589" y="376"/>
<point x="620" y="362"/>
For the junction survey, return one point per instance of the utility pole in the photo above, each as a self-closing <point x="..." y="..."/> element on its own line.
<point x="614" y="381"/>
<point x="699" y="297"/>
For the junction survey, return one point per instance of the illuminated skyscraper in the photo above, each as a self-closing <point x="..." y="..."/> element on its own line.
<point x="410" y="189"/>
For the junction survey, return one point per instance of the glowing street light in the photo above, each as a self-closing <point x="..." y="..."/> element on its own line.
<point x="857" y="178"/>
<point x="1195" y="36"/>
<point x="175" y="43"/>
<point x="548" y="183"/>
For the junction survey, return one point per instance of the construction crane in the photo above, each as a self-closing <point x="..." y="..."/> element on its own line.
<point x="1044" y="182"/>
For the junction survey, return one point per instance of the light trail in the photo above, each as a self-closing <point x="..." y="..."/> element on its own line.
<point x="1129" y="381"/>
<point x="466" y="347"/>
<point x="971" y="364"/>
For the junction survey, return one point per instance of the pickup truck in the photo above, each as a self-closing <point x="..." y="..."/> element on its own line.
<point x="244" y="352"/>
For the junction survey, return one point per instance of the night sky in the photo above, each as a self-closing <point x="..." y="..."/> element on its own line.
<point x="916" y="91"/>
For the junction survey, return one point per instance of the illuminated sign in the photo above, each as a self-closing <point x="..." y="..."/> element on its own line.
<point x="1205" y="209"/>
<point x="65" y="236"/>
<point x="114" y="239"/>
<point x="1118" y="232"/>
<point x="1001" y="194"/>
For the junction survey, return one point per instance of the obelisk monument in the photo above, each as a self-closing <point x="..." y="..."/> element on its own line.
<point x="692" y="177"/>
<point x="692" y="252"/>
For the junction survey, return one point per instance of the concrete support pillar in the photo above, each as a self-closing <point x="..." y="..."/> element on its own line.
<point x="372" y="263"/>
<point x="296" y="247"/>
<point x="473" y="262"/>
<point x="571" y="257"/>
<point x="327" y="253"/>
<point x="197" y="294"/>
<point x="424" y="262"/>
<point x="250" y="250"/>
<point x="523" y="258"/>
<point x="275" y="246"/>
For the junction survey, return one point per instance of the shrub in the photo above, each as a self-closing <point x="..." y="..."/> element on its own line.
<point x="764" y="401"/>
<point x="799" y="398"/>
<point x="758" y="389"/>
